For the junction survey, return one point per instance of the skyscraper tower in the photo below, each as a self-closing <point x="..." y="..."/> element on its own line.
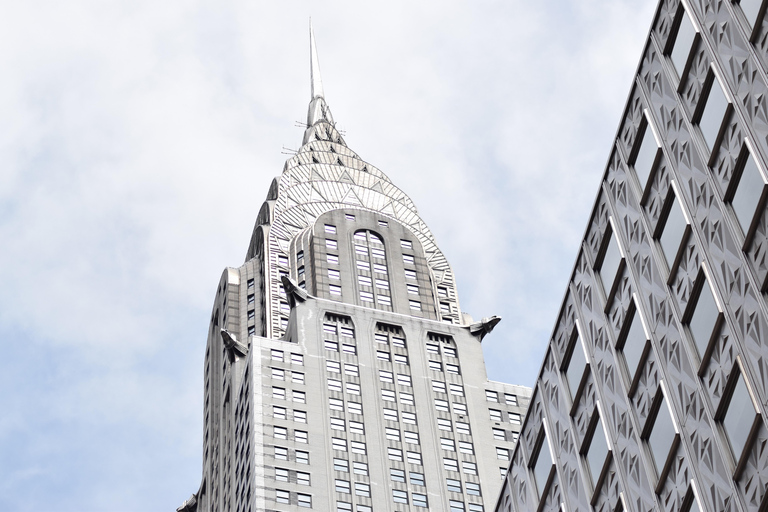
<point x="653" y="392"/>
<point x="340" y="373"/>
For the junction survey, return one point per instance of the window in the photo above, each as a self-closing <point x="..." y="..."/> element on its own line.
<point x="683" y="41"/>
<point x="713" y="113"/>
<point x="388" y="395"/>
<point x="356" y="427"/>
<point x="409" y="417"/>
<point x="281" y="475"/>
<point x="577" y="363"/>
<point x="342" y="486"/>
<point x="662" y="435"/>
<point x="441" y="405"/>
<point x="495" y="414"/>
<point x="383" y="223"/>
<point x="353" y="389"/>
<point x="299" y="396"/>
<point x="491" y="396"/>
<point x="349" y="216"/>
<point x="645" y="155"/>
<point x="499" y="434"/>
<point x="302" y="457"/>
<point x="398" y="342"/>
<point x="390" y="414"/>
<point x="300" y="416"/>
<point x="447" y="444"/>
<point x="250" y="283"/>
<point x="395" y="454"/>
<point x="338" y="424"/>
<point x="399" y="496"/>
<point x="469" y="468"/>
<point x="301" y="436"/>
<point x="331" y="244"/>
<point x="251" y="299"/>
<point x="451" y="464"/>
<point x="406" y="244"/>
<point x="610" y="262"/>
<point x="597" y="451"/>
<point x="739" y="417"/>
<point x="404" y="380"/>
<point x="378" y="253"/>
<point x="457" y="389"/>
<point x="419" y="500"/>
<point x="297" y="359"/>
<point x="475" y="507"/>
<point x="473" y="489"/>
<point x="459" y="408"/>
<point x="277" y="355"/>
<point x="436" y="366"/>
<point x="336" y="404"/>
<point x="633" y="340"/>
<point x="392" y="434"/>
<point x="333" y="366"/>
<point x="362" y="489"/>
<point x="330" y="229"/>
<point x="410" y="274"/>
<point x="360" y="468"/>
<point x="364" y="281"/>
<point x="355" y="408"/>
<point x="411" y="437"/>
<point x="349" y="349"/>
<point x="401" y="359"/>
<point x="704" y="315"/>
<point x="510" y="399"/>
<point x="413" y="458"/>
<point x="302" y="478"/>
<point x="432" y="348"/>
<point x="297" y="377"/>
<point x="251" y="314"/>
<point x="334" y="289"/>
<point x="282" y="496"/>
<point x="462" y="428"/>
<point x="381" y="269"/>
<point x="515" y="436"/>
<point x="384" y="299"/>
<point x="444" y="424"/>
<point x="333" y="259"/>
<point x="453" y="485"/>
<point x="351" y="369"/>
<point x="343" y="507"/>
<point x="281" y="453"/>
<point x="339" y="444"/>
<point x="416" y="478"/>
<point x="363" y="265"/>
<point x="397" y="475"/>
<point x="278" y="374"/>
<point x="751" y="10"/>
<point x="280" y="432"/>
<point x="449" y="351"/>
<point x="502" y="453"/>
<point x="334" y="274"/>
<point x="357" y="447"/>
<point x="279" y="412"/>
<point x="542" y="465"/>
<point x="385" y="376"/>
<point x="415" y="305"/>
<point x="408" y="259"/>
<point x="412" y="288"/>
<point x="466" y="447"/>
<point x="384" y="356"/>
<point x="456" y="506"/>
<point x="452" y="368"/>
<point x="341" y="465"/>
<point x="745" y="189"/>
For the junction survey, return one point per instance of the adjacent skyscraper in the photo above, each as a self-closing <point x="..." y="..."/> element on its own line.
<point x="340" y="373"/>
<point x="654" y="389"/>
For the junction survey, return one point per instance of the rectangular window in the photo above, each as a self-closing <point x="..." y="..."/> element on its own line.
<point x="333" y="366"/>
<point x="510" y="399"/>
<point x="279" y="412"/>
<point x="406" y="244"/>
<point x="366" y="296"/>
<point x="383" y="356"/>
<point x="444" y="424"/>
<point x="502" y="453"/>
<point x="297" y="359"/>
<point x="334" y="289"/>
<point x="399" y="496"/>
<point x="250" y="283"/>
<point x="349" y="349"/>
<point x="453" y="485"/>
<point x="378" y="253"/>
<point x="491" y="396"/>
<point x="351" y="369"/>
<point x="459" y="408"/>
<point x="355" y="427"/>
<point x="406" y="399"/>
<point x="338" y="424"/>
<point x="413" y="458"/>
<point x="355" y="408"/>
<point x="282" y="496"/>
<point x="433" y="348"/>
<point x="339" y="444"/>
<point x="383" y="223"/>
<point x="381" y="269"/>
<point x="499" y="434"/>
<point x="281" y="453"/>
<point x="415" y="305"/>
<point x="336" y="404"/>
<point x="301" y="436"/>
<point x="349" y="216"/>
<point x="388" y="395"/>
<point x="410" y="274"/>
<point x="451" y="464"/>
<point x="397" y="475"/>
<point x="449" y="351"/>
<point x="385" y="376"/>
<point x="456" y="506"/>
<point x="331" y="244"/>
<point x="353" y="389"/>
<point x="441" y="405"/>
<point x="463" y="428"/>
<point x="362" y="489"/>
<point x="384" y="300"/>
<point x="364" y="281"/>
<point x="334" y="274"/>
<point x="438" y="386"/>
<point x="401" y="359"/>
<point x="469" y="468"/>
<point x="466" y="447"/>
<point x="342" y="486"/>
<point x="456" y="389"/>
<point x="278" y="374"/>
<point x="408" y="259"/>
<point x="302" y="478"/>
<point x="395" y="454"/>
<point x="411" y="437"/>
<point x="363" y="265"/>
<point x="392" y="434"/>
<point x="473" y="489"/>
<point x="390" y="415"/>
<point x="409" y="417"/>
<point x="713" y="113"/>
<point x="280" y="433"/>
<point x="361" y="250"/>
<point x="297" y="377"/>
<point x="495" y="414"/>
<point x="330" y="229"/>
<point x="382" y="283"/>
<point x="302" y="457"/>
<point x="452" y="368"/>
<point x="299" y="396"/>
<point x="360" y="468"/>
<point x="333" y="259"/>
<point x="277" y="355"/>
<point x="341" y="465"/>
<point x="404" y="380"/>
<point x="304" y="500"/>
<point x="436" y="366"/>
<point x="514" y="418"/>
<point x="300" y="416"/>
<point x="398" y="342"/>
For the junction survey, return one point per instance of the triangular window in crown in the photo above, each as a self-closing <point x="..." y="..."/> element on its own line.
<point x="315" y="160"/>
<point x="338" y="161"/>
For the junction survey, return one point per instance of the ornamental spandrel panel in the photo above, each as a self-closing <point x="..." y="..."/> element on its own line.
<point x="608" y="496"/>
<point x="533" y="424"/>
<point x="640" y="495"/>
<point x="566" y="323"/>
<point x="553" y="499"/>
<point x="753" y="480"/>
<point x="632" y="120"/>
<point x="750" y="325"/>
<point x="686" y="272"/>
<point x="757" y="252"/>
<point x="518" y="478"/>
<point x="665" y="21"/>
<point x="597" y="227"/>
<point x="696" y="77"/>
<point x="616" y="179"/>
<point x="622" y="299"/>
<point x="719" y="365"/>
<point x="584" y="408"/>
<point x="549" y="383"/>
<point x="657" y="193"/>
<point x="728" y="154"/>
<point x="647" y="387"/>
<point x="677" y="482"/>
<point x="761" y="43"/>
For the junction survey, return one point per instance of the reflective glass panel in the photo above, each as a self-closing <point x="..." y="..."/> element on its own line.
<point x="751" y="9"/>
<point x="673" y="232"/>
<point x="661" y="437"/>
<point x="634" y="344"/>
<point x="542" y="467"/>
<point x="747" y="194"/>
<point x="576" y="367"/>
<point x="713" y="114"/>
<point x="703" y="319"/>
<point x="598" y="451"/>
<point x="683" y="43"/>
<point x="646" y="156"/>
<point x="610" y="264"/>
<point x="739" y="418"/>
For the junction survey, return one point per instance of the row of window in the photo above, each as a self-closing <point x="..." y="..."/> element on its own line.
<point x="493" y="396"/>
<point x="496" y="415"/>
<point x="282" y="413"/>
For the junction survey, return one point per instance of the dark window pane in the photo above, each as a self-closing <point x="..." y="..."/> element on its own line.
<point x="598" y="451"/>
<point x="751" y="9"/>
<point x="646" y="156"/>
<point x="703" y="318"/>
<point x="747" y="194"/>
<point x="739" y="418"/>
<point x="683" y="43"/>
<point x="542" y="467"/>
<point x="576" y="367"/>
<point x="673" y="232"/>
<point x="634" y="344"/>
<point x="661" y="437"/>
<point x="610" y="264"/>
<point x="713" y="114"/>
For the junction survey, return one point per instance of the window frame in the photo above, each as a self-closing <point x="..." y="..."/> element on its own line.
<point x="737" y="374"/>
<point x="747" y="152"/>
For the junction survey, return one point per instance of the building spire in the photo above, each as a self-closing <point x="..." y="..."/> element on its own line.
<point x="314" y="70"/>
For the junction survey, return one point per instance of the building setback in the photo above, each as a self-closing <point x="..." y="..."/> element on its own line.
<point x="653" y="391"/>
<point x="340" y="373"/>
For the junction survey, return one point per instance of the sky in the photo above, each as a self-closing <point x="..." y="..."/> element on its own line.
<point x="138" y="140"/>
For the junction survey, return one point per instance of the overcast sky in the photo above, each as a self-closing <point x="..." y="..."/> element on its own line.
<point x="138" y="140"/>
